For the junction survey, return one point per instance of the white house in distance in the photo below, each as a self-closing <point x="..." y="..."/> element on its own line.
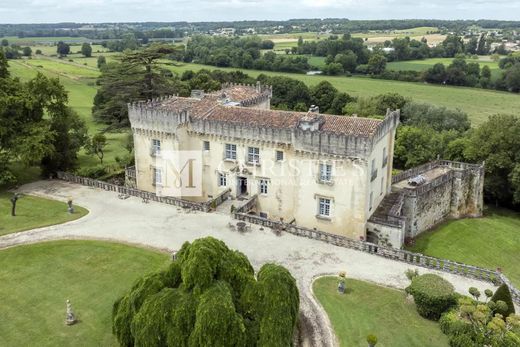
<point x="318" y="171"/>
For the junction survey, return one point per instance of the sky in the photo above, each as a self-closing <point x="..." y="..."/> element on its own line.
<point x="96" y="11"/>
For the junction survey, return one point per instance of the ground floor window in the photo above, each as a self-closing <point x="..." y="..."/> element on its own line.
<point x="222" y="180"/>
<point x="157" y="176"/>
<point x="263" y="186"/>
<point x="324" y="207"/>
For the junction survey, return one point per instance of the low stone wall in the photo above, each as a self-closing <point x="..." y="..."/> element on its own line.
<point x="415" y="259"/>
<point x="197" y="206"/>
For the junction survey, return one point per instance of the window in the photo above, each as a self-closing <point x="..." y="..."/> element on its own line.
<point x="325" y="172"/>
<point x="263" y="186"/>
<point x="253" y="155"/>
<point x="205" y="145"/>
<point x="324" y="207"/>
<point x="373" y="175"/>
<point x="222" y="180"/>
<point x="157" y="176"/>
<point x="279" y="155"/>
<point x="263" y="215"/>
<point x="385" y="157"/>
<point x="156" y="147"/>
<point x="231" y="151"/>
<point x="371" y="200"/>
<point x="382" y="185"/>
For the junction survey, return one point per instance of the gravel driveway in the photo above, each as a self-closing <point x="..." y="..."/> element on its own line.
<point x="167" y="227"/>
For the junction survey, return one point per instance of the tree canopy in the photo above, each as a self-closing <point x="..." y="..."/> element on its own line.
<point x="209" y="297"/>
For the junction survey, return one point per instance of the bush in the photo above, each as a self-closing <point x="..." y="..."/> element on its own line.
<point x="93" y="171"/>
<point x="432" y="294"/>
<point x="411" y="273"/>
<point x="451" y="324"/>
<point x="462" y="341"/>
<point x="503" y="294"/>
<point x="372" y="340"/>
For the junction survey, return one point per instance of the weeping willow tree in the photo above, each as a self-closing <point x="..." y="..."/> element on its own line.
<point x="209" y="296"/>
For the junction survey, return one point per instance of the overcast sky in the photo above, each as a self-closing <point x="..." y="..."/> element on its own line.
<point x="51" y="11"/>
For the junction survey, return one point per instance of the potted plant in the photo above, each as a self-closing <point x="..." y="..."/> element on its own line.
<point x="372" y="340"/>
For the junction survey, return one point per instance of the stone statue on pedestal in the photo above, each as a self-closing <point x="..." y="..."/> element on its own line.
<point x="71" y="318"/>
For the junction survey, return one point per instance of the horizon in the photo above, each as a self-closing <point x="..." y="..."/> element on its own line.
<point x="133" y="11"/>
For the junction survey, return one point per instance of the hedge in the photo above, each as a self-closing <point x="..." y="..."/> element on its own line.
<point x="432" y="294"/>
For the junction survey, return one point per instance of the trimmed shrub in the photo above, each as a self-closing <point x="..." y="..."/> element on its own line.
<point x="503" y="294"/>
<point x="462" y="341"/>
<point x="432" y="294"/>
<point x="451" y="324"/>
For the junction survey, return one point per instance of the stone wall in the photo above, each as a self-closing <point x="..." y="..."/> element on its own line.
<point x="455" y="194"/>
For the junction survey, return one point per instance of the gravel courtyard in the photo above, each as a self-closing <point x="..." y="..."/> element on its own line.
<point x="167" y="227"/>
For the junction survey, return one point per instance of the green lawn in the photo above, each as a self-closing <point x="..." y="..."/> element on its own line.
<point x="370" y="309"/>
<point x="36" y="280"/>
<point x="34" y="212"/>
<point x="478" y="103"/>
<point x="492" y="241"/>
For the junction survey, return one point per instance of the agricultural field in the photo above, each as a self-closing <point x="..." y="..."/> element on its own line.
<point x="366" y="308"/>
<point x="496" y="236"/>
<point x="478" y="103"/>
<point x="31" y="41"/>
<point x="422" y="65"/>
<point x="375" y="37"/>
<point x="38" y="279"/>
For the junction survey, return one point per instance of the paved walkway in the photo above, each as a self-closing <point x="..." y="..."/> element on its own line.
<point x="167" y="227"/>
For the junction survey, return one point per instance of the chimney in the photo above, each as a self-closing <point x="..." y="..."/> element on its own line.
<point x="258" y="87"/>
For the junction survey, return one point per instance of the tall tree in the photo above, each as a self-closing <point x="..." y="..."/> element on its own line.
<point x="497" y="142"/>
<point x="62" y="49"/>
<point x="4" y="66"/>
<point x="27" y="115"/>
<point x="136" y="76"/>
<point x="86" y="50"/>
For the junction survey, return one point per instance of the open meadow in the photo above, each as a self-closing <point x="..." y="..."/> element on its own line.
<point x="425" y="64"/>
<point x="478" y="103"/>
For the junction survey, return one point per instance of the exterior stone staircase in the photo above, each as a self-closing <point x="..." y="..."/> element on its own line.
<point x="389" y="210"/>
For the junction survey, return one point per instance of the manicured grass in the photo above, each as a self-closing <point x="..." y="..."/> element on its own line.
<point x="34" y="212"/>
<point x="366" y="309"/>
<point x="36" y="280"/>
<point x="478" y="103"/>
<point x="492" y="241"/>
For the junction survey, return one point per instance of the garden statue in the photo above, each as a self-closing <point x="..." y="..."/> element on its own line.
<point x="71" y="318"/>
<point x="13" y="203"/>
<point x="341" y="284"/>
<point x="70" y="208"/>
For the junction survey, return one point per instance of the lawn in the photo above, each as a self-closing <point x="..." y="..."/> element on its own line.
<point x="366" y="309"/>
<point x="492" y="241"/>
<point x="478" y="103"/>
<point x="36" y="280"/>
<point x="34" y="212"/>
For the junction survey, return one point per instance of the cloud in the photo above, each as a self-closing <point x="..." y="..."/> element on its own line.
<point x="30" y="11"/>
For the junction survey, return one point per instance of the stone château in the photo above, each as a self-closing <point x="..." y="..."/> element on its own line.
<point x="332" y="173"/>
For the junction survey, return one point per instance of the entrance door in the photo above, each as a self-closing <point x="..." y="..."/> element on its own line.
<point x="242" y="186"/>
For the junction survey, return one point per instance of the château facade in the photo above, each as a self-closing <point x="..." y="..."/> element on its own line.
<point x="319" y="171"/>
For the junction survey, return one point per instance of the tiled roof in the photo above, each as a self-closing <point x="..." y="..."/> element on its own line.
<point x="210" y="108"/>
<point x="350" y="125"/>
<point x="237" y="93"/>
